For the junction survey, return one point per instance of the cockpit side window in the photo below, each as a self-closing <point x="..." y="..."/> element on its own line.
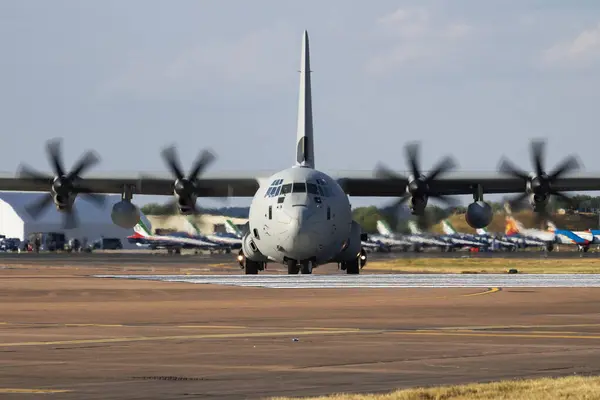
<point x="299" y="187"/>
<point x="287" y="188"/>
<point x="311" y="188"/>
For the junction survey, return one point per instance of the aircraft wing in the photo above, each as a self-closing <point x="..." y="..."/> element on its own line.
<point x="233" y="185"/>
<point x="358" y="184"/>
<point x="458" y="183"/>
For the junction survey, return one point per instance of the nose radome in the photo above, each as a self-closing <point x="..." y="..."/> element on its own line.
<point x="301" y="213"/>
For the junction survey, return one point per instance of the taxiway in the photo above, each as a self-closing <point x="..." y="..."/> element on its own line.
<point x="64" y="331"/>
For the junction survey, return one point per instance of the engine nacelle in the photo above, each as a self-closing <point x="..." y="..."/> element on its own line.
<point x="250" y="249"/>
<point x="186" y="204"/>
<point x="479" y="214"/>
<point x="418" y="204"/>
<point x="125" y="214"/>
<point x="538" y="201"/>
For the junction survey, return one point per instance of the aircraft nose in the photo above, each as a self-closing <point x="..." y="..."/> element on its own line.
<point x="300" y="227"/>
<point x="301" y="214"/>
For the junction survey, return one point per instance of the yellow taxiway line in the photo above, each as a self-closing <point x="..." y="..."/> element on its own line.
<point x="181" y="337"/>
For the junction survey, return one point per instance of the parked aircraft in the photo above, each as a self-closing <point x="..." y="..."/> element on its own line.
<point x="529" y="237"/>
<point x="414" y="241"/>
<point x="299" y="216"/>
<point x="173" y="243"/>
<point x="232" y="238"/>
<point x="482" y="236"/>
<point x="583" y="239"/>
<point x="453" y="241"/>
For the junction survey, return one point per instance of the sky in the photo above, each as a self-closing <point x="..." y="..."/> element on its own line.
<point x="475" y="80"/>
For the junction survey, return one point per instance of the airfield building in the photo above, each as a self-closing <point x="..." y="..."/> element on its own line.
<point x="94" y="222"/>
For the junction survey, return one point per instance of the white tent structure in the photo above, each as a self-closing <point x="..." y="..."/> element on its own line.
<point x="94" y="222"/>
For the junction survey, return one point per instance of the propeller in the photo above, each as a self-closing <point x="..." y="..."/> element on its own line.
<point x="418" y="184"/>
<point x="63" y="186"/>
<point x="186" y="187"/>
<point x="539" y="183"/>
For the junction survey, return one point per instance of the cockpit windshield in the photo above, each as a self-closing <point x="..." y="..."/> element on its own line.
<point x="299" y="187"/>
<point x="287" y="188"/>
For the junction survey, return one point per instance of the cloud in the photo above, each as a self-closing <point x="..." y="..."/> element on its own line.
<point x="580" y="51"/>
<point x="413" y="35"/>
<point x="259" y="57"/>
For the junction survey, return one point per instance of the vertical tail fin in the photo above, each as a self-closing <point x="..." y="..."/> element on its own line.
<point x="512" y="226"/>
<point x="304" y="137"/>
<point x="448" y="228"/>
<point x="383" y="228"/>
<point x="414" y="229"/>
<point x="231" y="228"/>
<point x="142" y="229"/>
<point x="193" y="225"/>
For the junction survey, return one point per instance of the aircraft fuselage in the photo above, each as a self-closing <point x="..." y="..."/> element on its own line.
<point x="301" y="214"/>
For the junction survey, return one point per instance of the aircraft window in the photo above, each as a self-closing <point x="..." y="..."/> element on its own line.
<point x="274" y="182"/>
<point x="270" y="212"/>
<point x="320" y="191"/>
<point x="287" y="188"/>
<point x="280" y="200"/>
<point x="325" y="191"/>
<point x="321" y="181"/>
<point x="299" y="187"/>
<point x="277" y="191"/>
<point x="311" y="188"/>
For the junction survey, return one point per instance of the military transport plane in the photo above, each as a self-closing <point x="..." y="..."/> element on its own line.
<point x="299" y="216"/>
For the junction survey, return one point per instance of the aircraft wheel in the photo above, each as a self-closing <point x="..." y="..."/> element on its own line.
<point x="293" y="267"/>
<point x="353" y="267"/>
<point x="251" y="267"/>
<point x="307" y="267"/>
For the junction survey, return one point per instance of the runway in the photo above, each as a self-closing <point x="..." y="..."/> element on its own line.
<point x="63" y="331"/>
<point x="381" y="281"/>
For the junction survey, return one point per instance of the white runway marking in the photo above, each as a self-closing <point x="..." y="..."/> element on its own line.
<point x="379" y="281"/>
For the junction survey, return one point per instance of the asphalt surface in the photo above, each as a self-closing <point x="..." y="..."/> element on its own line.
<point x="66" y="332"/>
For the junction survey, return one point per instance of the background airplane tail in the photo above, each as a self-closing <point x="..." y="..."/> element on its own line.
<point x="448" y="228"/>
<point x="230" y="227"/>
<point x="142" y="229"/>
<point x="414" y="229"/>
<point x="482" y="231"/>
<point x="305" y="155"/>
<point x="192" y="225"/>
<point x="512" y="226"/>
<point x="383" y="228"/>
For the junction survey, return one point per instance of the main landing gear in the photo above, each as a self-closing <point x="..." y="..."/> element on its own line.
<point x="252" y="267"/>
<point x="295" y="267"/>
<point x="351" y="267"/>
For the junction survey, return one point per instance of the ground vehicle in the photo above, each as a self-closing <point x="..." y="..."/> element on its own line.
<point x="47" y="241"/>
<point x="107" y="244"/>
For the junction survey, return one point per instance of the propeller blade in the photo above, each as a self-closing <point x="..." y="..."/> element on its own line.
<point x="35" y="209"/>
<point x="53" y="149"/>
<point x="70" y="220"/>
<point x="412" y="154"/>
<point x="517" y="201"/>
<point x="88" y="160"/>
<point x="204" y="160"/>
<point x="450" y="201"/>
<point x="170" y="157"/>
<point x="567" y="165"/>
<point x="403" y="199"/>
<point x="383" y="172"/>
<point x="26" y="172"/>
<point x="442" y="167"/>
<point x="537" y="155"/>
<point x="507" y="167"/>
<point x="95" y="198"/>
